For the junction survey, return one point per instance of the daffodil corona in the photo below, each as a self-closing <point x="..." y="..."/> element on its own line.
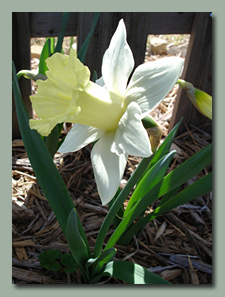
<point x="109" y="111"/>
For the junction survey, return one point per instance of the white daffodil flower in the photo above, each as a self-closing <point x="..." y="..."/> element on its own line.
<point x="109" y="112"/>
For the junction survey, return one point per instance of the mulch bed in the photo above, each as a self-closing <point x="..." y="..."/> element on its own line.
<point x="177" y="246"/>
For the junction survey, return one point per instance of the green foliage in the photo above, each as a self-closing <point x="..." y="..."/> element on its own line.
<point x="50" y="259"/>
<point x="83" y="50"/>
<point x="41" y="161"/>
<point x="78" y="243"/>
<point x="59" y="44"/>
<point x="45" y="53"/>
<point x="68" y="263"/>
<point x="55" y="260"/>
<point x="76" y="239"/>
<point x="132" y="273"/>
<point x="168" y="187"/>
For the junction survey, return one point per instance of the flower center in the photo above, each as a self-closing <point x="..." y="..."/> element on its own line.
<point x="99" y="108"/>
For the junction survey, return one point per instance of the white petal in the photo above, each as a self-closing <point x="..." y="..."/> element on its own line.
<point x="100" y="82"/>
<point x="118" y="62"/>
<point x="152" y="81"/>
<point x="78" y="137"/>
<point x="131" y="137"/>
<point x="108" y="167"/>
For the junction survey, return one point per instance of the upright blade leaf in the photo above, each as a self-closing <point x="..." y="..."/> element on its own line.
<point x="139" y="206"/>
<point x="58" y="47"/>
<point x="45" y="53"/>
<point x="187" y="170"/>
<point x="98" y="265"/>
<point x="83" y="50"/>
<point x="152" y="177"/>
<point x="47" y="174"/>
<point x="198" y="188"/>
<point x="79" y="249"/>
<point x="133" y="273"/>
<point x="52" y="140"/>
<point x="117" y="204"/>
<point x="172" y="182"/>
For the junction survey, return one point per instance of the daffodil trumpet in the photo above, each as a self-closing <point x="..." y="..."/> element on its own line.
<point x="109" y="111"/>
<point x="201" y="100"/>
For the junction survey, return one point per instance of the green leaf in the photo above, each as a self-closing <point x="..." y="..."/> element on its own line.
<point x="59" y="44"/>
<point x="68" y="263"/>
<point x="71" y="42"/>
<point x="52" y="140"/>
<point x="83" y="50"/>
<point x="54" y="260"/>
<point x="50" y="259"/>
<point x="169" y="195"/>
<point x="77" y="243"/>
<point x="199" y="188"/>
<point x="117" y="219"/>
<point x="44" y="169"/>
<point x="52" y="45"/>
<point x="118" y="203"/>
<point x="191" y="167"/>
<point x="171" y="183"/>
<point x="98" y="265"/>
<point x="45" y="53"/>
<point x="152" y="177"/>
<point x="95" y="76"/>
<point x="140" y="205"/>
<point x="79" y="248"/>
<point x="195" y="190"/>
<point x="132" y="273"/>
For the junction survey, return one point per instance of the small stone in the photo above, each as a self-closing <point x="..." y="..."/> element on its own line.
<point x="36" y="51"/>
<point x="158" y="46"/>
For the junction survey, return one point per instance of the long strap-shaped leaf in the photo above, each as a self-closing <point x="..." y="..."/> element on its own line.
<point x="78" y="247"/>
<point x="83" y="50"/>
<point x="58" y="47"/>
<point x="141" y="204"/>
<point x="187" y="170"/>
<point x="197" y="189"/>
<point x="173" y="181"/>
<point x="44" y="168"/>
<point x="155" y="174"/>
<point x="117" y="204"/>
<point x="133" y="273"/>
